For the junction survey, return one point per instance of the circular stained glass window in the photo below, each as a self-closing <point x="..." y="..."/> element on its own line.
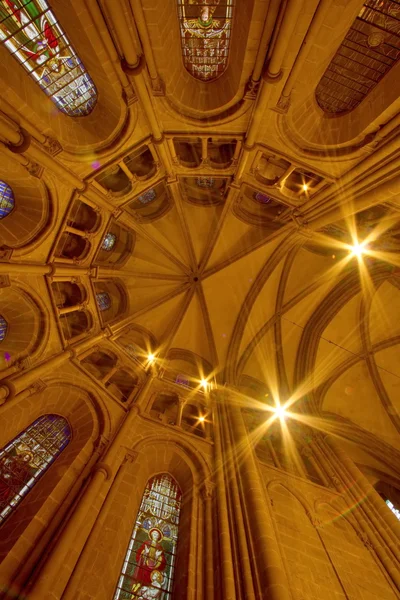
<point x="6" y="199"/>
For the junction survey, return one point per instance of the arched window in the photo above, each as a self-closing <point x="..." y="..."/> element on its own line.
<point x="6" y="199"/>
<point x="103" y="300"/>
<point x="369" y="50"/>
<point x="31" y="33"/>
<point x="394" y="510"/>
<point x="108" y="242"/>
<point x="149" y="563"/>
<point x="24" y="460"/>
<point x="205" y="36"/>
<point x="3" y="328"/>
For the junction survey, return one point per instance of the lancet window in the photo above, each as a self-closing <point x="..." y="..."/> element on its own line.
<point x="103" y="300"/>
<point x="31" y="33"/>
<point x="206" y="27"/>
<point x="3" y="328"/>
<point x="148" y="568"/>
<point x="27" y="457"/>
<point x="108" y="242"/>
<point x="6" y="199"/>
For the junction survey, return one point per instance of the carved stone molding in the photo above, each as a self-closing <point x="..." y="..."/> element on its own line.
<point x="52" y="146"/>
<point x="34" y="169"/>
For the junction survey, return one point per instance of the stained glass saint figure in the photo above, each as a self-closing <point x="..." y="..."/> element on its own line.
<point x="24" y="460"/>
<point x="103" y="300"/>
<point x="149" y="563"/>
<point x="108" y="242"/>
<point x="6" y="199"/>
<point x="31" y="33"/>
<point x="3" y="328"/>
<point x="205" y="35"/>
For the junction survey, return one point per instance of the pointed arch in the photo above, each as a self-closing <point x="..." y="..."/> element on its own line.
<point x="205" y="37"/>
<point x="27" y="457"/>
<point x="150" y="559"/>
<point x="32" y="34"/>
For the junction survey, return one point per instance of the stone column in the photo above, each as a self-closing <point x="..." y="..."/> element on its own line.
<point x="208" y="490"/>
<point x="268" y="558"/>
<point x="79" y="526"/>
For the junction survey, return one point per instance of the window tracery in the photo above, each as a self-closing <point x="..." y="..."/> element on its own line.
<point x="3" y="328"/>
<point x="370" y="49"/>
<point x="148" y="568"/>
<point x="108" y="242"/>
<point x="103" y="301"/>
<point x="7" y="201"/>
<point x="30" y="32"/>
<point x="27" y="457"/>
<point x="205" y="36"/>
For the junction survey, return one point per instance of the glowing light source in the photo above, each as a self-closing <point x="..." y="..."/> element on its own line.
<point x="305" y="187"/>
<point x="204" y="383"/>
<point x="358" y="249"/>
<point x="280" y="412"/>
<point x="202" y="419"/>
<point x="150" y="357"/>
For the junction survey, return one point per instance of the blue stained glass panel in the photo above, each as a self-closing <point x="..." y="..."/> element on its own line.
<point x="27" y="457"/>
<point x="30" y="32"/>
<point x="205" y="182"/>
<point x="182" y="380"/>
<point x="108" y="242"/>
<point x="394" y="510"/>
<point x="148" y="568"/>
<point x="6" y="199"/>
<point x="103" y="300"/>
<point x="262" y="198"/>
<point x="147" y="197"/>
<point x="3" y="328"/>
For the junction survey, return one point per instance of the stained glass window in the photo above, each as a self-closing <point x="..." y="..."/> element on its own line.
<point x="394" y="510"/>
<point x="3" y="328"/>
<point x="262" y="198"/>
<point x="205" y="35"/>
<point x="149" y="563"/>
<point x="6" y="199"/>
<point x="31" y="33"/>
<point x="205" y="182"/>
<point x="147" y="197"/>
<point x="182" y="380"/>
<point x="103" y="300"/>
<point x="24" y="460"/>
<point x="108" y="242"/>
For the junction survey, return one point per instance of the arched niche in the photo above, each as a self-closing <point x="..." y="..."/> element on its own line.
<point x="204" y="191"/>
<point x="118" y="299"/>
<point x="88" y="132"/>
<point x="114" y="180"/>
<point x="32" y="208"/>
<point x="138" y="343"/>
<point x="164" y="407"/>
<point x="155" y="454"/>
<point x="189" y="151"/>
<point x="141" y="163"/>
<point x="122" y="248"/>
<point x="30" y="528"/>
<point x="83" y="217"/>
<point x="151" y="204"/>
<point x="26" y="326"/>
<point x="183" y="362"/>
<point x="221" y="152"/>
<point x="194" y="418"/>
<point x="260" y="209"/>
<point x="185" y="93"/>
<point x="72" y="246"/>
<point x="100" y="363"/>
<point x="75" y="323"/>
<point x="123" y="384"/>
<point x="67" y="293"/>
